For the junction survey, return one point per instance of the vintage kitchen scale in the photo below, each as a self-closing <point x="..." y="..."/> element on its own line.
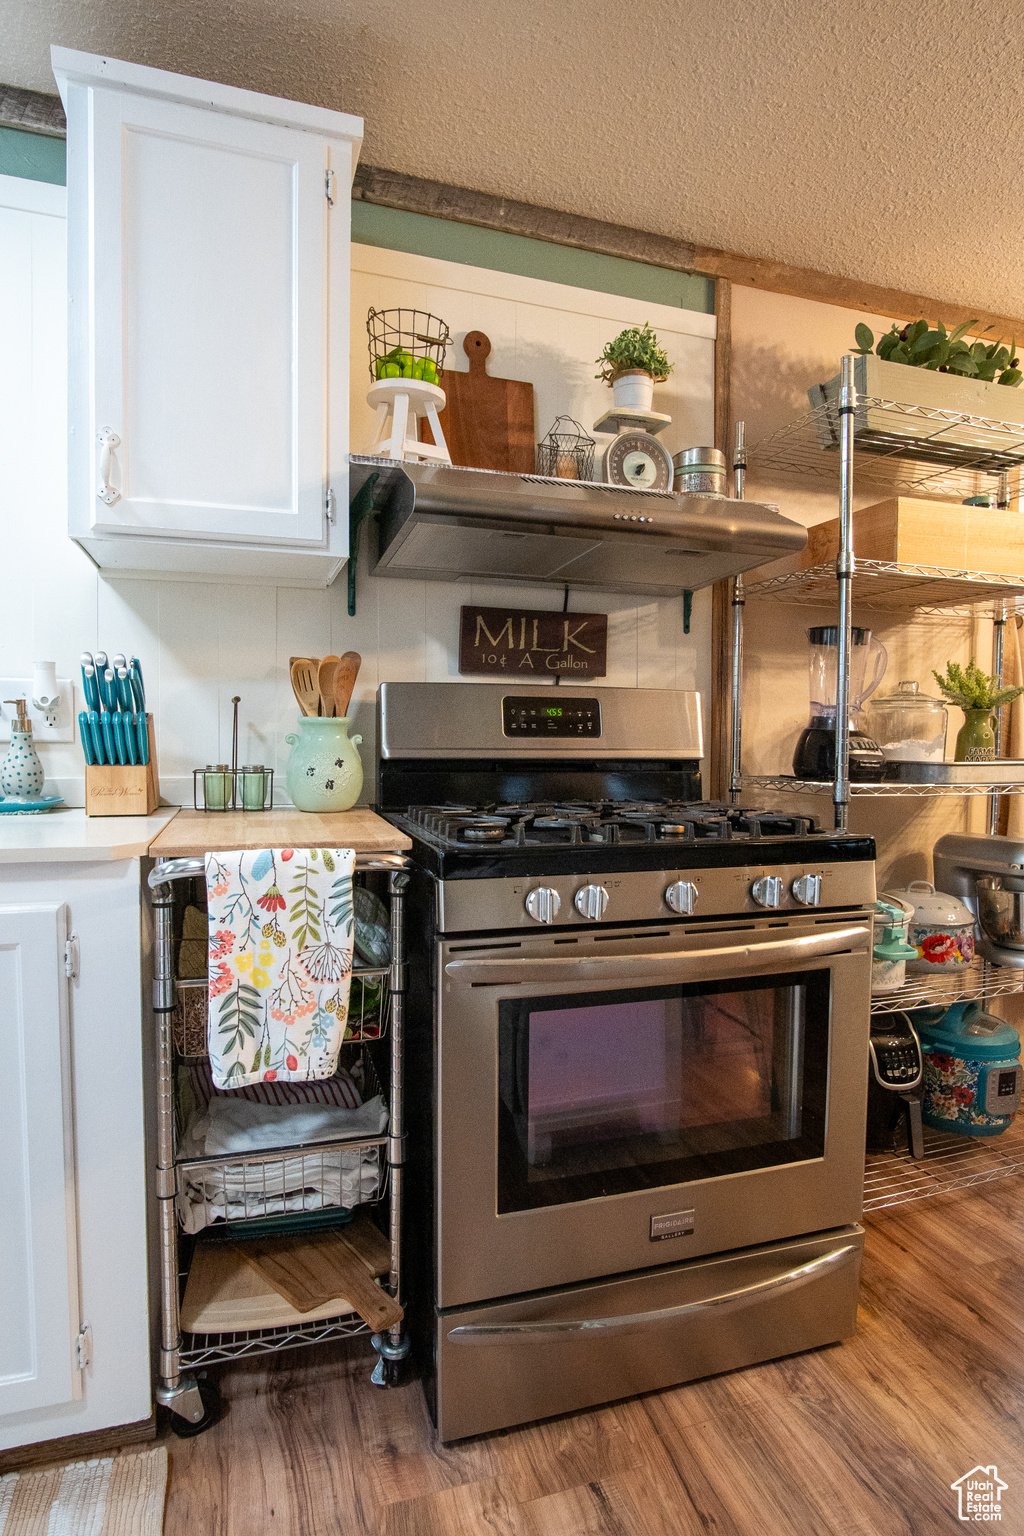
<point x="634" y="456"/>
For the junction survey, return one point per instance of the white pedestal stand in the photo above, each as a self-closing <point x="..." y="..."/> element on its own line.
<point x="401" y="404"/>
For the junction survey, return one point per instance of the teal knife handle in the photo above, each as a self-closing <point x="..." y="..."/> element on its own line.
<point x="106" y="725"/>
<point x="142" y="736"/>
<point x="96" y="736"/>
<point x="86" y="735"/>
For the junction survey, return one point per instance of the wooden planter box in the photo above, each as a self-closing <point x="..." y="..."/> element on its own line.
<point x="123" y="791"/>
<point x="908" y="531"/>
<point x="918" y="436"/>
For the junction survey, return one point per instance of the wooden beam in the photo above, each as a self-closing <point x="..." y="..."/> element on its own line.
<point x="440" y="200"/>
<point x="37" y="112"/>
<point x="32" y="111"/>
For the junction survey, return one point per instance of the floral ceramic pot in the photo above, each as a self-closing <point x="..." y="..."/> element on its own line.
<point x="940" y="928"/>
<point x="324" y="770"/>
<point x="21" y="776"/>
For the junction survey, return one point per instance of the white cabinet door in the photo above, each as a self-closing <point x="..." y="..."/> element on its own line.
<point x="38" y="1251"/>
<point x="207" y="331"/>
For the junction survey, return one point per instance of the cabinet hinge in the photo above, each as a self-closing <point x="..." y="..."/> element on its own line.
<point x="330" y="507"/>
<point x="329" y="187"/>
<point x="83" y="1348"/>
<point x="71" y="957"/>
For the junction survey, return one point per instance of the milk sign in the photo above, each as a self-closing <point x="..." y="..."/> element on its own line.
<point x="532" y="642"/>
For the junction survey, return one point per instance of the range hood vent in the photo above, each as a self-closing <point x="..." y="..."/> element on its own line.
<point x="449" y="524"/>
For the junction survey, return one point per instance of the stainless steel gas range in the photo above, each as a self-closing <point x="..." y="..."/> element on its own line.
<point x="644" y="1025"/>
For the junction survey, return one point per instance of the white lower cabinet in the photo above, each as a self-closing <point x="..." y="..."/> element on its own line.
<point x="39" y="1254"/>
<point x="74" y="1313"/>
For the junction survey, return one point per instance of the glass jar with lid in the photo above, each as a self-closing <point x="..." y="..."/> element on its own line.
<point x="909" y="726"/>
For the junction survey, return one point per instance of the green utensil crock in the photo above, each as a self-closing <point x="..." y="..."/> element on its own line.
<point x="324" y="770"/>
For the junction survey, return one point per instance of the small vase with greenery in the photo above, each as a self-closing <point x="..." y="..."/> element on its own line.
<point x="632" y="364"/>
<point x="922" y="346"/>
<point x="978" y="695"/>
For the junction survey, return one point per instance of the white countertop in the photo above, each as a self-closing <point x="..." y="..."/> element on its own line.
<point x="61" y="836"/>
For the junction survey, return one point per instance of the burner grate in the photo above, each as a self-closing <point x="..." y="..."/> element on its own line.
<point x="577" y="823"/>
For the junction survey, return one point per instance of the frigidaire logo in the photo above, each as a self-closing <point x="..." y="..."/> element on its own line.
<point x="979" y="1493"/>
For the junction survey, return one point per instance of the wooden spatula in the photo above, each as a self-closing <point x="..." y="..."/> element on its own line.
<point x="303" y="674"/>
<point x="345" y="680"/>
<point x="325" y="683"/>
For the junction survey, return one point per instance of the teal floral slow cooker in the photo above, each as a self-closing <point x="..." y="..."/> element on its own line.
<point x="972" y="1071"/>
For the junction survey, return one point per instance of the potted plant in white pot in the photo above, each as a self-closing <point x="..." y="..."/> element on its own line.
<point x="632" y="364"/>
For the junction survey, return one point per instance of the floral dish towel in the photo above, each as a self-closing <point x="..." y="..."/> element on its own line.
<point x="280" y="961"/>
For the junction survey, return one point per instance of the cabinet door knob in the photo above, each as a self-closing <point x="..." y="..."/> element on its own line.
<point x="108" y="440"/>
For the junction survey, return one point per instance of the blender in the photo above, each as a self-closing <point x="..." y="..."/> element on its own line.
<point x="815" y="755"/>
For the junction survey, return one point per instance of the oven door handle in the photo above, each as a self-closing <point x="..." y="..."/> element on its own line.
<point x="733" y="960"/>
<point x="561" y="1330"/>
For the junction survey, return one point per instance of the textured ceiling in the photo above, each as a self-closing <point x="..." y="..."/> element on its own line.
<point x="881" y="141"/>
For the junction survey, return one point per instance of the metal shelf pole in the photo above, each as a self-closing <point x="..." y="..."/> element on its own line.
<point x="844" y="578"/>
<point x="739" y="468"/>
<point x="998" y="632"/>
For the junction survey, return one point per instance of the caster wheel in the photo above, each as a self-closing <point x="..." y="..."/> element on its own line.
<point x="213" y="1408"/>
<point x="391" y="1372"/>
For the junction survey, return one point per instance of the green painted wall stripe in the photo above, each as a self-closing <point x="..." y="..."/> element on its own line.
<point x="421" y="235"/>
<point x="32" y="156"/>
<point x="37" y="157"/>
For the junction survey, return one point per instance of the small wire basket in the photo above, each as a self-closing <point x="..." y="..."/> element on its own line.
<point x="406" y="344"/>
<point x="567" y="453"/>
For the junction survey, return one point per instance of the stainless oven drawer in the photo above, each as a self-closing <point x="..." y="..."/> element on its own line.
<point x="512" y="1362"/>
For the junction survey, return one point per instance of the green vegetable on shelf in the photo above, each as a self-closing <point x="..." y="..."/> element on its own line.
<point x="971" y="688"/>
<point x="399" y="364"/>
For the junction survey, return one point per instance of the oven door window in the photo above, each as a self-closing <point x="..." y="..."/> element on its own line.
<point x="602" y="1093"/>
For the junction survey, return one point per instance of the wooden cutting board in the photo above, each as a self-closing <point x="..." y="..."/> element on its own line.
<point x="487" y="423"/>
<point x="308" y="1269"/>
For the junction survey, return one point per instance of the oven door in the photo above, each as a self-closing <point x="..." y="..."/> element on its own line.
<point x="613" y="1101"/>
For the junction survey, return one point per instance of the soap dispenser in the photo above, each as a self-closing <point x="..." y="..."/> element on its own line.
<point x="21" y="777"/>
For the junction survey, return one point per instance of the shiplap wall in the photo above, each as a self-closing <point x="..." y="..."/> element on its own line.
<point x="201" y="643"/>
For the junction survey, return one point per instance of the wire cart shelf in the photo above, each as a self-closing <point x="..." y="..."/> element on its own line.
<point x="907" y="450"/>
<point x="222" y="1189"/>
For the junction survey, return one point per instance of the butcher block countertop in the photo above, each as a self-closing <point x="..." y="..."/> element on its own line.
<point x="193" y="833"/>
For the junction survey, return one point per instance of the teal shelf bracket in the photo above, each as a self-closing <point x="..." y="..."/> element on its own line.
<point x="360" y="508"/>
<point x="687" y="611"/>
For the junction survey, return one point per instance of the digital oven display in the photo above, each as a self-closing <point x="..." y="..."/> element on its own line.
<point x="521" y="716"/>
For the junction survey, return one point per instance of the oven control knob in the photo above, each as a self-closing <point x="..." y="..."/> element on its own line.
<point x="682" y="897"/>
<point x="806" y="890"/>
<point x="591" y="901"/>
<point x="543" y="904"/>
<point x="767" y="891"/>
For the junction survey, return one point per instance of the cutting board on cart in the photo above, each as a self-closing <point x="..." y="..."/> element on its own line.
<point x="488" y="423"/>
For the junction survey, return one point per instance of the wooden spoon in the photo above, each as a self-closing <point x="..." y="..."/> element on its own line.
<point x="325" y="683"/>
<point x="303" y="673"/>
<point x="345" y="680"/>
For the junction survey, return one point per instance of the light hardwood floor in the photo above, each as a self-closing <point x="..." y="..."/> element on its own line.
<point x="861" y="1439"/>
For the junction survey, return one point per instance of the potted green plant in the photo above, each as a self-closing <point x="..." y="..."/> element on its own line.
<point x="978" y="695"/>
<point x="632" y="364"/>
<point x="927" y="367"/>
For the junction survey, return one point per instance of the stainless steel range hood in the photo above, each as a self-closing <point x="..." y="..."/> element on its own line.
<point x="451" y="524"/>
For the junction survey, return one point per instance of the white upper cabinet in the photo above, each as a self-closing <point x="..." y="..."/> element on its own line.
<point x="208" y="262"/>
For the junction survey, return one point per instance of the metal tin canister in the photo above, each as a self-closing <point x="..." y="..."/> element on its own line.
<point x="700" y="472"/>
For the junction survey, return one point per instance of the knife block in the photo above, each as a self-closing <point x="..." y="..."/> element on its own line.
<point x="123" y="790"/>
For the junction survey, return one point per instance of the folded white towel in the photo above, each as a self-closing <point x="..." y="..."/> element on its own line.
<point x="234" y="1125"/>
<point x="309" y="1180"/>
